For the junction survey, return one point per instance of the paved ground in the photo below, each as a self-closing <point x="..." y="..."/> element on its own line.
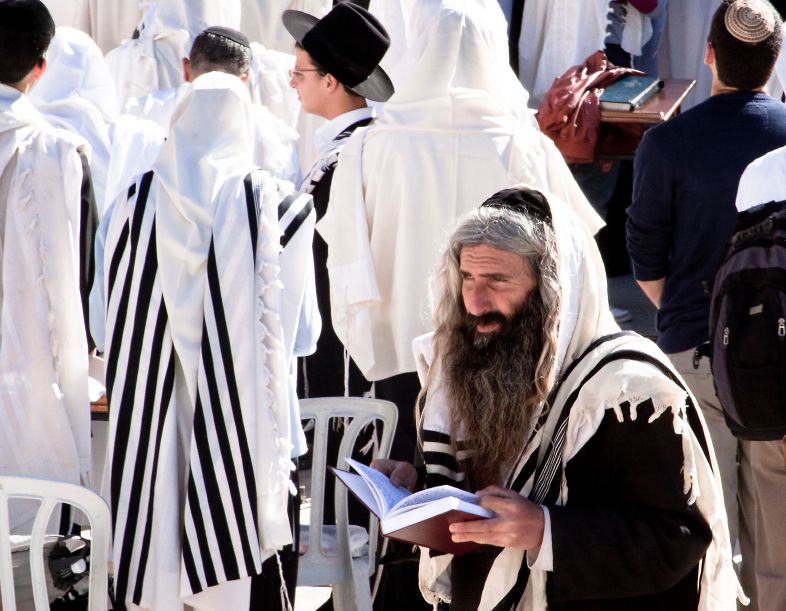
<point x="625" y="293"/>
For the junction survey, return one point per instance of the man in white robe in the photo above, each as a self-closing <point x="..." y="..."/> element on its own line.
<point x="455" y="131"/>
<point x="45" y="426"/>
<point x="197" y="366"/>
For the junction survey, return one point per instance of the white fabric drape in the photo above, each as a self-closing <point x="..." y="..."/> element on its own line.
<point x="154" y="60"/>
<point x="76" y="93"/>
<point x="455" y="131"/>
<point x="555" y="35"/>
<point x="45" y="427"/>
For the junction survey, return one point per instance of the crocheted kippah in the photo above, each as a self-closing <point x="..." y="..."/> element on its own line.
<point x="750" y="21"/>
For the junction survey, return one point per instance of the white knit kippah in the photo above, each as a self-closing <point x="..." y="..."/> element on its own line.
<point x="750" y="21"/>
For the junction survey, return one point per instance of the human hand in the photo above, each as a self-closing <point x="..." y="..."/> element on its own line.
<point x="519" y="522"/>
<point x="400" y="473"/>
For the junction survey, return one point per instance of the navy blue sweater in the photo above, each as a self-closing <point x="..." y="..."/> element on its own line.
<point x="682" y="214"/>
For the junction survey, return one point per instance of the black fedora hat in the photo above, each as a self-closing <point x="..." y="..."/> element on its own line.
<point x="349" y="43"/>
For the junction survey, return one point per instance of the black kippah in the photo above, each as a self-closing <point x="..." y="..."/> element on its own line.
<point x="522" y="200"/>
<point x="229" y="34"/>
<point x="29" y="17"/>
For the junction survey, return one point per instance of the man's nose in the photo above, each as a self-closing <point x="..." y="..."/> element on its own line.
<point x="476" y="300"/>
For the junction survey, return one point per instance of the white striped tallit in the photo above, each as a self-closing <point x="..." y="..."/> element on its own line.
<point x="157" y="436"/>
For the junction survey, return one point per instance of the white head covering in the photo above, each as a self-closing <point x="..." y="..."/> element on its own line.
<point x="451" y="71"/>
<point x="154" y="59"/>
<point x="77" y="93"/>
<point x="192" y="166"/>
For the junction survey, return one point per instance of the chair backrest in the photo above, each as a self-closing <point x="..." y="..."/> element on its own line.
<point x="362" y="412"/>
<point x="50" y="494"/>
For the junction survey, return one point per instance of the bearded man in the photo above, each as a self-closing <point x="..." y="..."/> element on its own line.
<point x="582" y="439"/>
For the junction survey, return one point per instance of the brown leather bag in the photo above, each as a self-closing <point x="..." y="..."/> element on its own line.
<point x="570" y="111"/>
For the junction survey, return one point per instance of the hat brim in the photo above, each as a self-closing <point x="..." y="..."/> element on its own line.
<point x="377" y="87"/>
<point x="298" y="23"/>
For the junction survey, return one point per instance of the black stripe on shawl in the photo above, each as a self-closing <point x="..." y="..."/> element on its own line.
<point x="207" y="473"/>
<point x="204" y="547"/>
<point x="190" y="566"/>
<point x="228" y="463"/>
<point x="166" y="397"/>
<point x="234" y="396"/>
<point x="116" y="258"/>
<point x="122" y="312"/>
<point x="125" y="408"/>
<point x="252" y="206"/>
<point x="296" y="222"/>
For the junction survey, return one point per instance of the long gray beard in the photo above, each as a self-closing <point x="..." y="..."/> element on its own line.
<point x="490" y="388"/>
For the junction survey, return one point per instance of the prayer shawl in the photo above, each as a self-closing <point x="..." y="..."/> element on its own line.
<point x="464" y="140"/>
<point x="76" y="93"/>
<point x="583" y="284"/>
<point x="261" y="20"/>
<point x="153" y="60"/>
<point x="45" y="423"/>
<point x="763" y="181"/>
<point x="199" y="450"/>
<point x="555" y="35"/>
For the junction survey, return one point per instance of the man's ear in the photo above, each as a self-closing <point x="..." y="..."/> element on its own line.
<point x="331" y="82"/>
<point x="39" y="69"/>
<point x="709" y="54"/>
<point x="186" y="70"/>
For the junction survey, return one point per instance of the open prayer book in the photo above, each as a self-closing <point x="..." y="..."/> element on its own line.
<point x="421" y="518"/>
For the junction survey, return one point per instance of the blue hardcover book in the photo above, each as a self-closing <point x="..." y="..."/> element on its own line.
<point x="629" y="92"/>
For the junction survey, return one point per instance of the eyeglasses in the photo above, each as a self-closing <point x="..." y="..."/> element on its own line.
<point x="298" y="72"/>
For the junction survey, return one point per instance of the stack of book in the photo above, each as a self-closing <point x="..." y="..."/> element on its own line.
<point x="629" y="92"/>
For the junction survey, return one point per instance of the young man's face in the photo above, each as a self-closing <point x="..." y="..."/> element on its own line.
<point x="308" y="82"/>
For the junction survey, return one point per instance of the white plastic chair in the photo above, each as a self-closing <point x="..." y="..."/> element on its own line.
<point x="349" y="576"/>
<point x="50" y="494"/>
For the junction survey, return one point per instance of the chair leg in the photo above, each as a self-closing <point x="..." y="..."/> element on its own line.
<point x="354" y="595"/>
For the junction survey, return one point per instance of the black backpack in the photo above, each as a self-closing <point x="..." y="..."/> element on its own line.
<point x="748" y="325"/>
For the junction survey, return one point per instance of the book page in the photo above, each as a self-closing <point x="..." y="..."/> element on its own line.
<point x="386" y="492"/>
<point x="360" y="489"/>
<point x="432" y="494"/>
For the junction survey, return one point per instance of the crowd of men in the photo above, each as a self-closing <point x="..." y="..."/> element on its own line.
<point x="366" y="209"/>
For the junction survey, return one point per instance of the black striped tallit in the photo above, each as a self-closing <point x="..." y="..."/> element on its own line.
<point x="330" y="158"/>
<point x="216" y="526"/>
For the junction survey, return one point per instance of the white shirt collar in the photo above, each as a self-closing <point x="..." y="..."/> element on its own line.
<point x="327" y="133"/>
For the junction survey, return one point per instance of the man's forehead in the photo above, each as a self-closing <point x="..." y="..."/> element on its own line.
<point x="490" y="256"/>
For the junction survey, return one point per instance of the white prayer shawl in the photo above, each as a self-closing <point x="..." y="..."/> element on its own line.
<point x="196" y="370"/>
<point x="261" y="20"/>
<point x="763" y="181"/>
<point x="269" y="81"/>
<point x="684" y="43"/>
<point x="45" y="427"/>
<point x="555" y="35"/>
<point x="274" y="143"/>
<point x="616" y="383"/>
<point x="154" y="59"/>
<point x="76" y="93"/>
<point x="389" y="211"/>
<point x="113" y="21"/>
<point x="69" y="13"/>
<point x="636" y="32"/>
